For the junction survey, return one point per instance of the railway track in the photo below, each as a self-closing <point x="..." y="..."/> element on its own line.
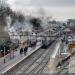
<point x="26" y="63"/>
<point x="39" y="64"/>
<point x="34" y="63"/>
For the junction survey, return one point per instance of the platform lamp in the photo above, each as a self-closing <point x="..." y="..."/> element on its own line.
<point x="66" y="34"/>
<point x="4" y="52"/>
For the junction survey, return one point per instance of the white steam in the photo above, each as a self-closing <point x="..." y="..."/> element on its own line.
<point x="21" y="6"/>
<point x="17" y="29"/>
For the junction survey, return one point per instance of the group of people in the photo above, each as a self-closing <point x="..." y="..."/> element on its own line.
<point x="23" y="50"/>
<point x="24" y="47"/>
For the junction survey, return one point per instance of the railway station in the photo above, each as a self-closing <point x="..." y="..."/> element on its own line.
<point x="35" y="42"/>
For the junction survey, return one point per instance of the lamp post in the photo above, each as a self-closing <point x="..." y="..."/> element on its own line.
<point x="36" y="37"/>
<point x="4" y="53"/>
<point x="66" y="34"/>
<point x="13" y="53"/>
<point x="10" y="53"/>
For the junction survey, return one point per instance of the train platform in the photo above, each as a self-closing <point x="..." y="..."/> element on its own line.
<point x="51" y="68"/>
<point x="39" y="59"/>
<point x="10" y="63"/>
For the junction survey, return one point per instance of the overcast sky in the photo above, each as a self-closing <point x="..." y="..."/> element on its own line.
<point x="61" y="9"/>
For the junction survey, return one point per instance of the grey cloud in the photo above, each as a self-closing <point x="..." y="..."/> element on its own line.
<point x="58" y="8"/>
<point x="52" y="2"/>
